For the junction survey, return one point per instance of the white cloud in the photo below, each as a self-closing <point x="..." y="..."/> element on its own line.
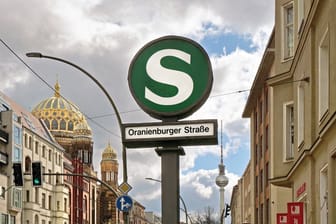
<point x="102" y="36"/>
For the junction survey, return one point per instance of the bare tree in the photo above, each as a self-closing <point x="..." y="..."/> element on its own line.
<point x="206" y="217"/>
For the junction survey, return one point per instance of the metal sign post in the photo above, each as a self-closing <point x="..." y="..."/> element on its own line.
<point x="170" y="187"/>
<point x="170" y="78"/>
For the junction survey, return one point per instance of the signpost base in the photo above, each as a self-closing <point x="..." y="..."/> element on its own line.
<point x="170" y="186"/>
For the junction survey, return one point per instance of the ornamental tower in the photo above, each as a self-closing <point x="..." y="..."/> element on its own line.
<point x="109" y="174"/>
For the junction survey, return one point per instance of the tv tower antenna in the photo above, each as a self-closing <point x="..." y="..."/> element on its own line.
<point x="221" y="179"/>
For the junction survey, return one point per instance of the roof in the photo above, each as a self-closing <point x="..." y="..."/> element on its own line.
<point x="261" y="77"/>
<point x="28" y="120"/>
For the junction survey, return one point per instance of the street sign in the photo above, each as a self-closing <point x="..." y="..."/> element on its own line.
<point x="182" y="133"/>
<point x="170" y="77"/>
<point x="124" y="203"/>
<point x="124" y="187"/>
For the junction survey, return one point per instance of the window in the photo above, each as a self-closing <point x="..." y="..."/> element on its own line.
<point x="30" y="142"/>
<point x="256" y="187"/>
<point x="27" y="164"/>
<point x="37" y="195"/>
<point x="260" y="112"/>
<point x="261" y="146"/>
<point x="54" y="125"/>
<point x="3" y="191"/>
<point x="58" y="205"/>
<point x="49" y="155"/>
<point x="256" y="154"/>
<point x="266" y="138"/>
<point x="36" y="146"/>
<point x="324" y="196"/>
<point x="4" y="219"/>
<point x="49" y="177"/>
<point x="17" y="135"/>
<point x="17" y="154"/>
<point x="261" y="181"/>
<point x="27" y="196"/>
<point x="43" y="151"/>
<point x="300" y="114"/>
<point x="288" y="31"/>
<point x="323" y="76"/>
<point x="43" y="171"/>
<point x="43" y="200"/>
<point x="288" y="131"/>
<point x="300" y="12"/>
<point x="25" y="140"/>
<point x="63" y="125"/>
<point x="49" y="202"/>
<point x="65" y="205"/>
<point x="266" y="173"/>
<point x="12" y="219"/>
<point x="16" y="200"/>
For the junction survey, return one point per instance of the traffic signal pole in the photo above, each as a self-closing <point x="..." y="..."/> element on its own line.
<point x="86" y="176"/>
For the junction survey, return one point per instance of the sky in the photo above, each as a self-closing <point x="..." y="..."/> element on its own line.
<point x="102" y="36"/>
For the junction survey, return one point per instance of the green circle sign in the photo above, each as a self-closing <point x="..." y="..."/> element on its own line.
<point x="170" y="77"/>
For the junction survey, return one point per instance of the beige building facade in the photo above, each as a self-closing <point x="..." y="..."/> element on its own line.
<point x="242" y="203"/>
<point x="30" y="141"/>
<point x="296" y="82"/>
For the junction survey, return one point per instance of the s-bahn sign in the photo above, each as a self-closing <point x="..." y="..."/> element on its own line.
<point x="170" y="77"/>
<point x="182" y="133"/>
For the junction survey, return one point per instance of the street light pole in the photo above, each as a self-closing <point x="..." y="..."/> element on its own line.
<point x="40" y="55"/>
<point x="181" y="199"/>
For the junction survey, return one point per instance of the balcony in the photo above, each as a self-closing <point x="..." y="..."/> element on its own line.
<point x="3" y="136"/>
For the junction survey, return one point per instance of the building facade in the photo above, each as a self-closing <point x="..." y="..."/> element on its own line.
<point x="242" y="203"/>
<point x="292" y="108"/>
<point x="30" y="141"/>
<point x="71" y="131"/>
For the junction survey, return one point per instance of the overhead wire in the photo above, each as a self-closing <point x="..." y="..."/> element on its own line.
<point x="50" y="86"/>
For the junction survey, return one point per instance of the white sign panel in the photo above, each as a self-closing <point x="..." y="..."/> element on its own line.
<point x="170" y="131"/>
<point x="180" y="131"/>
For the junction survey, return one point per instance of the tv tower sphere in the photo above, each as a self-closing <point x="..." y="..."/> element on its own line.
<point x="221" y="179"/>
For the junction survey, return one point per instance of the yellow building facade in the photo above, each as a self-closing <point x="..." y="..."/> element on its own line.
<point x="298" y="73"/>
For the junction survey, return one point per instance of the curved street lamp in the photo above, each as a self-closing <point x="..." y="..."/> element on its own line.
<point x="40" y="55"/>
<point x="181" y="199"/>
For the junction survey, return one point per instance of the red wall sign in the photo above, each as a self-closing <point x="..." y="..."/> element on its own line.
<point x="282" y="218"/>
<point x="301" y="190"/>
<point x="295" y="212"/>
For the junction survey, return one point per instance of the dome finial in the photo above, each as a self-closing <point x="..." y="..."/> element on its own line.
<point x="57" y="89"/>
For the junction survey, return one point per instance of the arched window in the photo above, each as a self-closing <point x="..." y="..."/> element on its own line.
<point x="54" y="124"/>
<point x="70" y="126"/>
<point x="30" y="142"/>
<point x="36" y="219"/>
<point x="27" y="164"/>
<point x="63" y="125"/>
<point x="25" y="140"/>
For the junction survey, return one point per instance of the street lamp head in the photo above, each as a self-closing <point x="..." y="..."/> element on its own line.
<point x="152" y="179"/>
<point x="34" y="55"/>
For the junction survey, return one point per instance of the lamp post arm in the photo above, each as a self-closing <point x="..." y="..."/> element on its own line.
<point x="39" y="55"/>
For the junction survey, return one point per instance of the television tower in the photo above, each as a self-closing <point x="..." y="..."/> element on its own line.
<point x="221" y="180"/>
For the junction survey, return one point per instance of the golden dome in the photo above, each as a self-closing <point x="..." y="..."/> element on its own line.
<point x="82" y="128"/>
<point x="60" y="115"/>
<point x="109" y="153"/>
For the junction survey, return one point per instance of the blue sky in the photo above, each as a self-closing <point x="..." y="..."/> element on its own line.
<point x="226" y="43"/>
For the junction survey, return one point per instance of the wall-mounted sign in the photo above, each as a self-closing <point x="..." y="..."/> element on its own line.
<point x="301" y="190"/>
<point x="170" y="77"/>
<point x="182" y="133"/>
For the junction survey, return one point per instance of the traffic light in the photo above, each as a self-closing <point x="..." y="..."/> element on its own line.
<point x="18" y="178"/>
<point x="227" y="210"/>
<point x="36" y="174"/>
